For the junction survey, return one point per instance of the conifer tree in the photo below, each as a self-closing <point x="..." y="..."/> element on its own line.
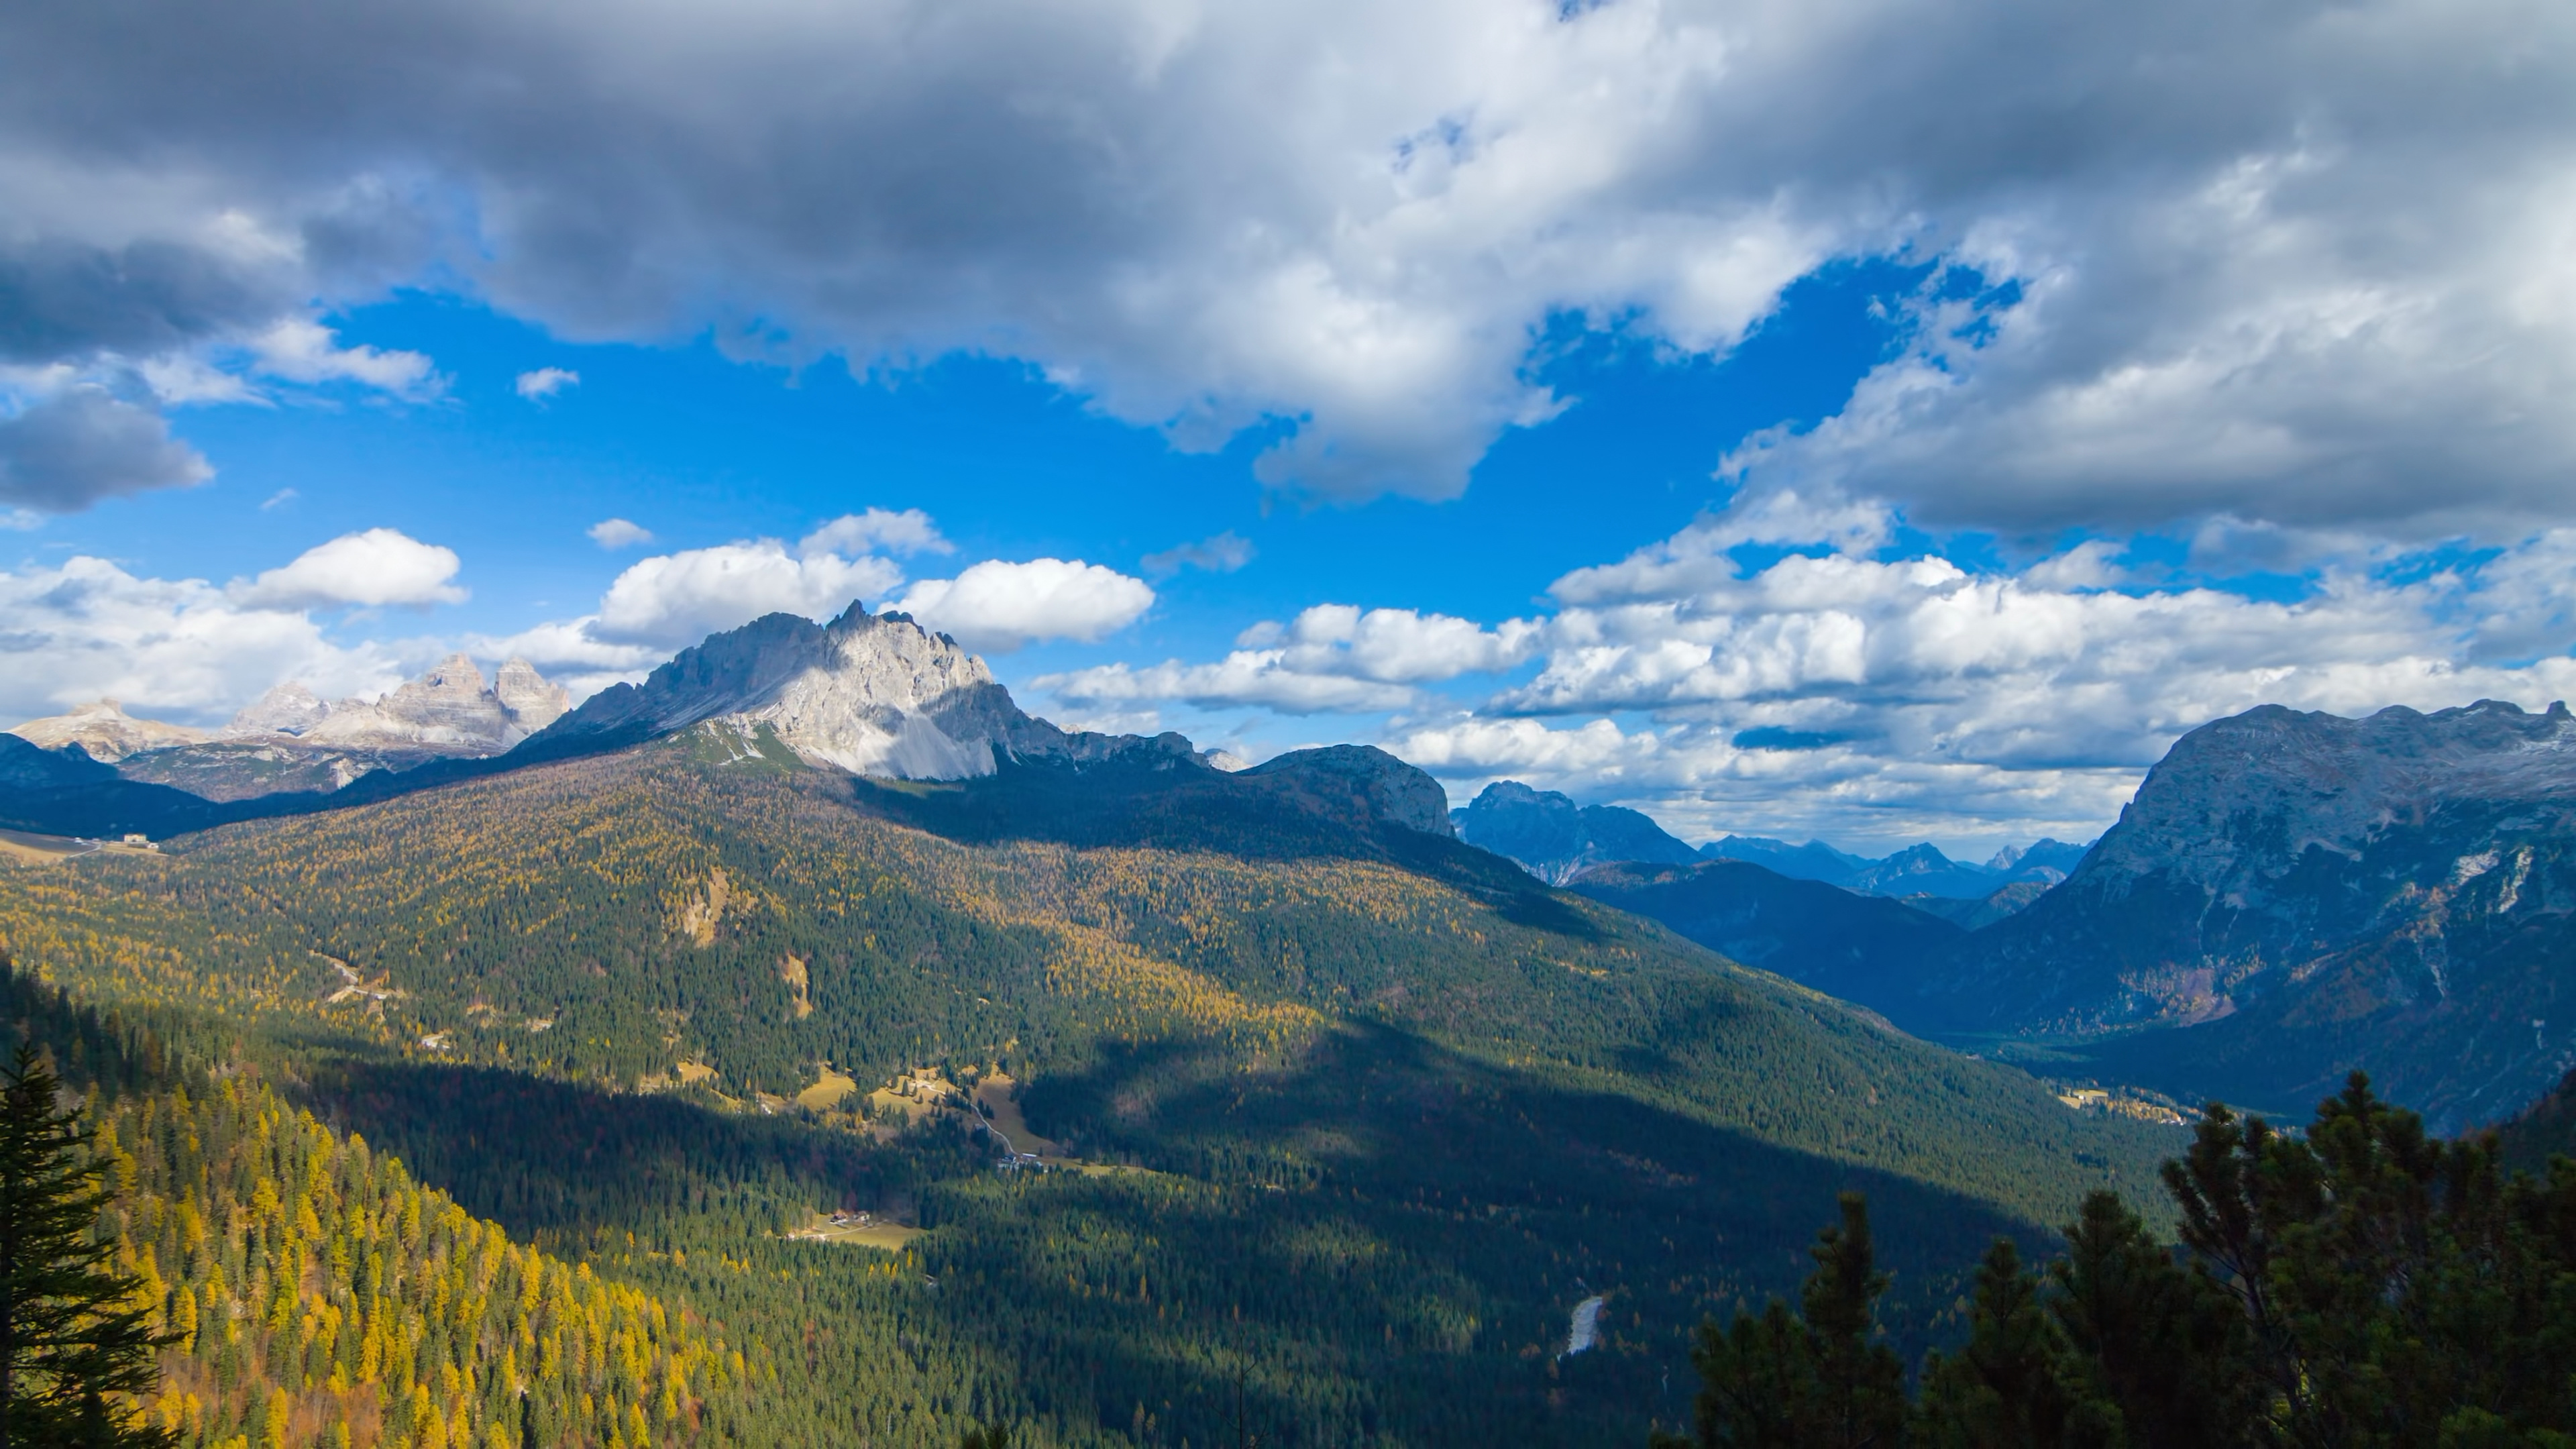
<point x="2016" y="1384"/>
<point x="74" y="1347"/>
<point x="1822" y="1382"/>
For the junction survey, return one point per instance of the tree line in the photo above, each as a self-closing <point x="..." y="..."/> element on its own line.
<point x="2358" y="1285"/>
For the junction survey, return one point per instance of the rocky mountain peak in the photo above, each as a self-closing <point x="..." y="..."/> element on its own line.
<point x="874" y="694"/>
<point x="286" y="709"/>
<point x="1379" y="785"/>
<point x="1554" y="839"/>
<point x="448" y="710"/>
<point x="2241" y="799"/>
<point x="529" y="699"/>
<point x="105" y="731"/>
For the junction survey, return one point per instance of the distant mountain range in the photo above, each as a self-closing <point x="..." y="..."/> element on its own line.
<point x="293" y="741"/>
<point x="876" y="696"/>
<point x="1384" y="1086"/>
<point x="2289" y="896"/>
<point x="1557" y="840"/>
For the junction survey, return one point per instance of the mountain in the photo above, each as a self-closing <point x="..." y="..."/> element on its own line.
<point x="105" y="731"/>
<point x="1368" y="1119"/>
<point x="870" y="694"/>
<point x="1923" y="870"/>
<point x="2291" y="895"/>
<point x="448" y="710"/>
<point x="1554" y="839"/>
<point x="1860" y="949"/>
<point x="67" y="792"/>
<point x="1920" y="870"/>
<point x="1814" y="860"/>
<point x="2052" y="860"/>
<point x="291" y="741"/>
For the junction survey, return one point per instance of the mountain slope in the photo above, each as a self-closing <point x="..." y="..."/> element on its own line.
<point x="1861" y="948"/>
<point x="1450" y="1097"/>
<point x="2294" y="895"/>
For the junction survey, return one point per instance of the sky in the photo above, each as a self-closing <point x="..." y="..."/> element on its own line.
<point x="1855" y="419"/>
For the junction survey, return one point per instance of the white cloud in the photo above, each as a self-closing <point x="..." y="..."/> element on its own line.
<point x="570" y="654"/>
<point x="996" y="606"/>
<point x="373" y="569"/>
<point x="278" y="500"/>
<point x="617" y="533"/>
<point x="167" y="648"/>
<point x="673" y="600"/>
<point x="298" y="349"/>
<point x="1223" y="554"/>
<point x="670" y="601"/>
<point x="1332" y="657"/>
<point x="1397" y="646"/>
<point x="545" y="382"/>
<point x="878" y="530"/>
<point x="2309" y="266"/>
<point x="1245" y="677"/>
<point x="183" y="379"/>
<point x="1880" y="697"/>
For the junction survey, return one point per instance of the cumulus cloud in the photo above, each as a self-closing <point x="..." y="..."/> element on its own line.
<point x="1332" y="657"/>
<point x="1246" y="677"/>
<point x="545" y="382"/>
<point x="617" y="533"/>
<point x="67" y="451"/>
<point x="997" y="606"/>
<point x="298" y="349"/>
<point x="373" y="569"/>
<point x="1223" y="554"/>
<point x="674" y="600"/>
<point x="1886" y="694"/>
<point x="878" y="530"/>
<point x="572" y="655"/>
<point x="667" y="602"/>
<point x="168" y="648"/>
<point x="2309" y="266"/>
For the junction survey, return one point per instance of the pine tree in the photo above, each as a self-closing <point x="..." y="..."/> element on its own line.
<point x="2016" y="1384"/>
<point x="1824" y="1382"/>
<point x="74" y="1347"/>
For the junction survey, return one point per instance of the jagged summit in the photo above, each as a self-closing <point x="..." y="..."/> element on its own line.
<point x="447" y="711"/>
<point x="874" y="694"/>
<point x="2306" y="894"/>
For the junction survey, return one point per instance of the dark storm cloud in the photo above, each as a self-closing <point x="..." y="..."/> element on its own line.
<point x="81" y="445"/>
<point x="61" y="300"/>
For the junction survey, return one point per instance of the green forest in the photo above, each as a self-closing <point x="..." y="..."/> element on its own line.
<point x="521" y="1085"/>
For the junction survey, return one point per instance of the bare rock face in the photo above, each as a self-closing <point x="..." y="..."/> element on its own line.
<point x="287" y="709"/>
<point x="106" y="731"/>
<point x="445" y="709"/>
<point x="2292" y="896"/>
<point x="529" y="700"/>
<point x="292" y="741"/>
<point x="871" y="694"/>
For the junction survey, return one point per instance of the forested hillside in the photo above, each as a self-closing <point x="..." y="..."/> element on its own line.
<point x="1363" y="1130"/>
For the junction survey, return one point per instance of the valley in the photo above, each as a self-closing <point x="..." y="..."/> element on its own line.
<point x="1098" y="1085"/>
<point x="1360" y="1113"/>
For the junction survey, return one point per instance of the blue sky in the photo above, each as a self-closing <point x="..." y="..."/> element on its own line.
<point x="1786" y="424"/>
